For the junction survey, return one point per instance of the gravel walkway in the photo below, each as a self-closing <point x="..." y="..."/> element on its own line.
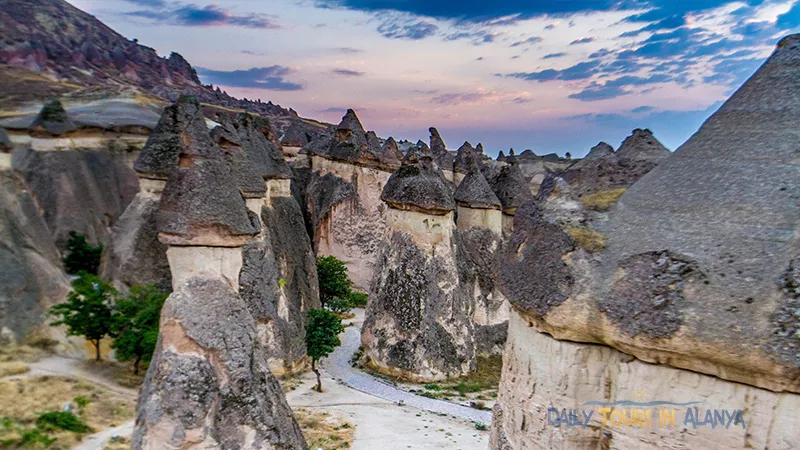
<point x="338" y="366"/>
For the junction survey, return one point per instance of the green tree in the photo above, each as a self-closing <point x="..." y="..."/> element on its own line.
<point x="80" y="256"/>
<point x="322" y="337"/>
<point x="134" y="325"/>
<point x="333" y="279"/>
<point x="87" y="311"/>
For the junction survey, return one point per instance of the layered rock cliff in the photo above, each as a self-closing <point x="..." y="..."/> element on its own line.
<point x="690" y="302"/>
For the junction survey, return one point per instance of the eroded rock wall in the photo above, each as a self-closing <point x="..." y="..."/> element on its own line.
<point x="549" y="373"/>
<point x="84" y="191"/>
<point x="348" y="222"/>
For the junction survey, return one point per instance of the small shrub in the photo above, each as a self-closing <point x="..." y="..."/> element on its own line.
<point x="358" y="299"/>
<point x="338" y="305"/>
<point x="81" y="401"/>
<point x="81" y="256"/>
<point x="466" y="387"/>
<point x="281" y="283"/>
<point x="61" y="420"/>
<point x="602" y="200"/>
<point x="432" y="387"/>
<point x="33" y="438"/>
<point x="587" y="238"/>
<point x="357" y="356"/>
<point x="480" y="426"/>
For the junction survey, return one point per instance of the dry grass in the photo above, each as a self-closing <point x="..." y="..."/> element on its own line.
<point x="20" y="354"/>
<point x="588" y="239"/>
<point x="23" y="400"/>
<point x="8" y="369"/>
<point x="324" y="431"/>
<point x="602" y="200"/>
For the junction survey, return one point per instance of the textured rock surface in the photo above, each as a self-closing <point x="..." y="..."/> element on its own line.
<point x="348" y="217"/>
<point x="603" y="169"/>
<point x="278" y="283"/>
<point x="475" y="192"/>
<point x="418" y="186"/>
<point x="5" y="142"/>
<point x="134" y="256"/>
<point x="262" y="151"/>
<point x="511" y="188"/>
<point x="31" y="279"/>
<point x="694" y="297"/>
<point x="418" y="324"/>
<point x="209" y="385"/>
<point x="84" y="191"/>
<point x="548" y="373"/>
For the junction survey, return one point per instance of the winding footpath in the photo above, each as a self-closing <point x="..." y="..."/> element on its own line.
<point x="338" y="367"/>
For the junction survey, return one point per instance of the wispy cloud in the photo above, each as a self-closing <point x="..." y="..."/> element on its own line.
<point x="177" y="13"/>
<point x="348" y="73"/>
<point x="270" y="78"/>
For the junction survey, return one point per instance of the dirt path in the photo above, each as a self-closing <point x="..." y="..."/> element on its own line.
<point x="338" y="366"/>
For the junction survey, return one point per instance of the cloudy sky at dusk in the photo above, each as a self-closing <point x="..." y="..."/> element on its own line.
<point x="551" y="75"/>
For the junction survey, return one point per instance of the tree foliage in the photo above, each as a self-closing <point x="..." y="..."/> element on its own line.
<point x="322" y="337"/>
<point x="81" y="256"/>
<point x="135" y="324"/>
<point x="87" y="311"/>
<point x="333" y="279"/>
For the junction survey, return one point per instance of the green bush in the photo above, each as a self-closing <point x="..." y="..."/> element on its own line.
<point x="480" y="426"/>
<point x="81" y="401"/>
<point x="432" y="387"/>
<point x="338" y="305"/>
<point x="80" y="256"/>
<point x="358" y="299"/>
<point x="33" y="438"/>
<point x="333" y="280"/>
<point x="61" y="420"/>
<point x="466" y="387"/>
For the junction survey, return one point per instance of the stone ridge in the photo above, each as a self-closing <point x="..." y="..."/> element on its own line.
<point x="351" y="143"/>
<point x="200" y="204"/>
<point x="180" y="124"/>
<point x="419" y="186"/>
<point x="474" y="192"/>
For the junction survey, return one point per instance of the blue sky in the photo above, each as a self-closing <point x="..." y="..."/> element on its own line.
<point x="552" y="76"/>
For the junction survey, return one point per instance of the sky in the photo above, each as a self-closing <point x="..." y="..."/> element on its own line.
<point x="547" y="75"/>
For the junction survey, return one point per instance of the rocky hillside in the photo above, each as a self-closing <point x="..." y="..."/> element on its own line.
<point x="50" y="48"/>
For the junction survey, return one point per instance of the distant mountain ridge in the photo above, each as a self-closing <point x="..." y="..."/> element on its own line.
<point x="65" y="50"/>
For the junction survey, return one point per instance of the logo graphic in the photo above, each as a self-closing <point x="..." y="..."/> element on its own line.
<point x="646" y="414"/>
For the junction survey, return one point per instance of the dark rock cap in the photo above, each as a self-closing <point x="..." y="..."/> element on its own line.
<point x="438" y="146"/>
<point x="5" y="142"/>
<point x="528" y="153"/>
<point x="419" y="186"/>
<point x="501" y="156"/>
<point x="475" y="192"/>
<point x="248" y="179"/>
<point x="599" y="151"/>
<point x="642" y="145"/>
<point x="467" y="159"/>
<point x="53" y="119"/>
<point x="263" y="153"/>
<point x="479" y="148"/>
<point x="202" y="206"/>
<point x="181" y="129"/>
<point x="510" y="187"/>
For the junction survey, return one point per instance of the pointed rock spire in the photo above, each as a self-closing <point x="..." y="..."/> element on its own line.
<point x="501" y="156"/>
<point x="390" y="152"/>
<point x="181" y="129"/>
<point x="263" y="153"/>
<point x="600" y="150"/>
<point x="479" y="148"/>
<point x="467" y="159"/>
<point x="642" y="145"/>
<point x="510" y="187"/>
<point x="201" y="204"/>
<point x="437" y="143"/>
<point x="474" y="192"/>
